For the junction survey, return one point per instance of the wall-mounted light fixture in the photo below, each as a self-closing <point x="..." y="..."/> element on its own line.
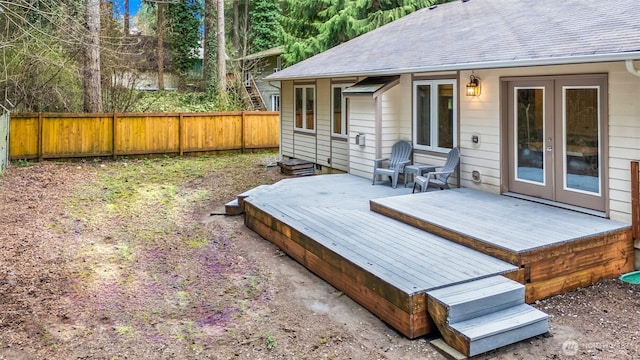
<point x="473" y="87"/>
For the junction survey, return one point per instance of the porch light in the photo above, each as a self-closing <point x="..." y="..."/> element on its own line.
<point x="473" y="87"/>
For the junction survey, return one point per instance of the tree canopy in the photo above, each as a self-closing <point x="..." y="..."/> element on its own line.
<point x="313" y="26"/>
<point x="43" y="43"/>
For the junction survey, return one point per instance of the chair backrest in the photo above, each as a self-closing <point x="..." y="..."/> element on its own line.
<point x="401" y="151"/>
<point x="453" y="157"/>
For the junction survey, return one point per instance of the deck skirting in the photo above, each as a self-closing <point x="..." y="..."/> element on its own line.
<point x="387" y="249"/>
<point x="405" y="312"/>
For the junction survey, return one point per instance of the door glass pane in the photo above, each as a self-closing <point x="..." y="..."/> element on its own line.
<point x="423" y="114"/>
<point x="310" y="108"/>
<point x="529" y="114"/>
<point x="298" y="109"/>
<point x="337" y="110"/>
<point x="581" y="140"/>
<point x="445" y="116"/>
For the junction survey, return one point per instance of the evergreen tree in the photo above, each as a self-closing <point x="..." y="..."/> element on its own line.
<point x="183" y="23"/>
<point x="265" y="28"/>
<point x="313" y="26"/>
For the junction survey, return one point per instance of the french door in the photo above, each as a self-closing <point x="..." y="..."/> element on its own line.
<point x="555" y="139"/>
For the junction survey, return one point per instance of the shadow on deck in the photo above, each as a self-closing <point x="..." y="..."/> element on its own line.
<point x="388" y="249"/>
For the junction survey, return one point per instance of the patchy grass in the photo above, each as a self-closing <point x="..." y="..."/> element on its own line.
<point x="142" y="259"/>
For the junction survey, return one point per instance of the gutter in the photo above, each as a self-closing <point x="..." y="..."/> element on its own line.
<point x="566" y="60"/>
<point x="631" y="68"/>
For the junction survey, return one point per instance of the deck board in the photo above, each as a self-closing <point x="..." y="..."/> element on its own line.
<point x="499" y="219"/>
<point x="334" y="211"/>
<point x="370" y="242"/>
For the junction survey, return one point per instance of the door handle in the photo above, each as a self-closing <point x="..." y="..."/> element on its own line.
<point x="549" y="148"/>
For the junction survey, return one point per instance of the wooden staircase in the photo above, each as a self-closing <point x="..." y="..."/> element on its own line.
<point x="483" y="315"/>
<point x="252" y="96"/>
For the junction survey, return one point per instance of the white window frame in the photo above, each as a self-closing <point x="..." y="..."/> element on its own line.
<point x="434" y="114"/>
<point x="344" y="131"/>
<point x="275" y="102"/>
<point x="304" y="108"/>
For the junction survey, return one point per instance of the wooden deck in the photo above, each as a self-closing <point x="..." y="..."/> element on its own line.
<point x="326" y="223"/>
<point x="557" y="250"/>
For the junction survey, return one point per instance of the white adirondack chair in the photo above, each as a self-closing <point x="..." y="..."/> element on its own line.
<point x="393" y="165"/>
<point x="440" y="177"/>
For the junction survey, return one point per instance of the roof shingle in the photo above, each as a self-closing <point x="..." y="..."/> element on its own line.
<point x="483" y="34"/>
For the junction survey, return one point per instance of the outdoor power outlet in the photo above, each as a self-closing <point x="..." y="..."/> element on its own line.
<point x="475" y="138"/>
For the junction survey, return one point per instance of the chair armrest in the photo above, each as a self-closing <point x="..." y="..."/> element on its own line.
<point x="437" y="173"/>
<point x="378" y="162"/>
<point x="402" y="164"/>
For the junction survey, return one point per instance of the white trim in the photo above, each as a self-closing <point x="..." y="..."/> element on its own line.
<point x="275" y="98"/>
<point x="566" y="60"/>
<point x="344" y="132"/>
<point x="304" y="108"/>
<point x="515" y="150"/>
<point x="434" y="114"/>
<point x="564" y="140"/>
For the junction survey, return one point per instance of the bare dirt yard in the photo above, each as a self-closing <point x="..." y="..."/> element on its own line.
<point x="123" y="260"/>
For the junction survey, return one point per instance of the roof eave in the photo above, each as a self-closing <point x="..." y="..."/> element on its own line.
<point x="566" y="60"/>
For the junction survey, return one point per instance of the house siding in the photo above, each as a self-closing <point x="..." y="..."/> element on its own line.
<point x="323" y="121"/>
<point x="286" y="119"/>
<point x="266" y="67"/>
<point x="340" y="154"/>
<point x="481" y="115"/>
<point x="362" y="121"/>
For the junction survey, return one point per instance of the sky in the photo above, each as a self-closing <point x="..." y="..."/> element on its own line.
<point x="134" y="5"/>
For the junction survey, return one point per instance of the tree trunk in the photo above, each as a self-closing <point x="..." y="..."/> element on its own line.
<point x="160" y="35"/>
<point x="245" y="29"/>
<point x="92" y="87"/>
<point x="125" y="21"/>
<point x="222" y="65"/>
<point x="236" y="27"/>
<point x="209" y="30"/>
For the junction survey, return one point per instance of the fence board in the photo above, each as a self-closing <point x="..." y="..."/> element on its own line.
<point x="212" y="132"/>
<point x="261" y="130"/>
<point x="23" y="143"/>
<point x="67" y="137"/>
<point x="150" y="134"/>
<point x="4" y="138"/>
<point x="49" y="135"/>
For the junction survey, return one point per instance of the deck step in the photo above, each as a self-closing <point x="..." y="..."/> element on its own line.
<point x="485" y="314"/>
<point x="233" y="208"/>
<point x="473" y="299"/>
<point x="255" y="191"/>
<point x="502" y="328"/>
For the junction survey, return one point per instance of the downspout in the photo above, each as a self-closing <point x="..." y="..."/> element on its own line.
<point x="271" y="83"/>
<point x="631" y="68"/>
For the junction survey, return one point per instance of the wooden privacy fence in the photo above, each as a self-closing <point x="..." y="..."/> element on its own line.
<point x="53" y="135"/>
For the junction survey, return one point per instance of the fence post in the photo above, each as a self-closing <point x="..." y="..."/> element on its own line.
<point x="40" y="125"/>
<point x="181" y="133"/>
<point x="243" y="138"/>
<point x="635" y="199"/>
<point x="114" y="135"/>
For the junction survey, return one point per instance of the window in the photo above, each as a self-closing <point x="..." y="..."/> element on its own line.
<point x="434" y="115"/>
<point x="304" y="100"/>
<point x="275" y="102"/>
<point x="339" y="125"/>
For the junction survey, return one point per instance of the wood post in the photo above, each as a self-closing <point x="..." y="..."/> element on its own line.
<point x="40" y="126"/>
<point x="114" y="135"/>
<point x="181" y="133"/>
<point x="242" y="131"/>
<point x="635" y="199"/>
